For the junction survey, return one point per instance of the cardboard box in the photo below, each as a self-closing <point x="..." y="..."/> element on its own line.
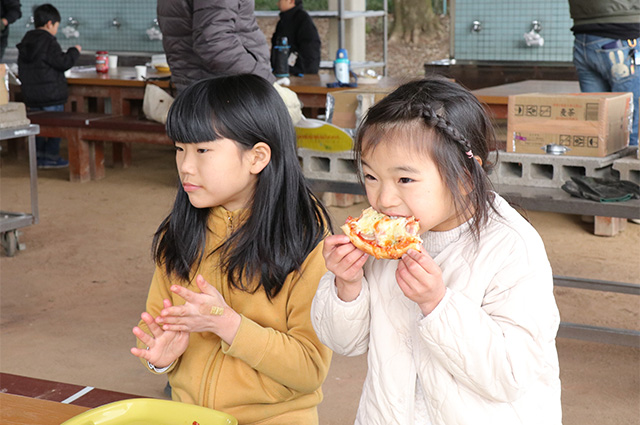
<point x="587" y="124"/>
<point x="342" y="105"/>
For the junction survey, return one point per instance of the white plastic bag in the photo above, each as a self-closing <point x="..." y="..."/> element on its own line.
<point x="156" y="103"/>
<point x="292" y="102"/>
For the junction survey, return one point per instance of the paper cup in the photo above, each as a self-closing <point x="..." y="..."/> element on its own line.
<point x="113" y="61"/>
<point x="141" y="72"/>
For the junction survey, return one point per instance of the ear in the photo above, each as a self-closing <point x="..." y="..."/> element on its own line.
<point x="259" y="157"/>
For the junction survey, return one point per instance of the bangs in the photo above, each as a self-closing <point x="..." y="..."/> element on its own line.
<point x="191" y="117"/>
<point x="412" y="135"/>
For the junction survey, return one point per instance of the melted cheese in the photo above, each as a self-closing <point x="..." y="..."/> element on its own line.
<point x="372" y="225"/>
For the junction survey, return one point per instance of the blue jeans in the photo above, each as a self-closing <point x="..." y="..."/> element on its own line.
<point x="48" y="147"/>
<point x="608" y="70"/>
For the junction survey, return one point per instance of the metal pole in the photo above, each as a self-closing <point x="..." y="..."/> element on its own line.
<point x="385" y="23"/>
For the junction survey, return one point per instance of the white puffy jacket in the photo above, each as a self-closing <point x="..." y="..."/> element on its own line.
<point x="486" y="355"/>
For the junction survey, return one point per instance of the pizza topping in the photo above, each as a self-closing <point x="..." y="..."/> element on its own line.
<point x="383" y="230"/>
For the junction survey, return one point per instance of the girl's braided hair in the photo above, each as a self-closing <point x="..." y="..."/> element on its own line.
<point x="445" y="120"/>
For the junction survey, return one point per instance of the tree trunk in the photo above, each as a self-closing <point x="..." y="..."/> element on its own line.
<point x="412" y="19"/>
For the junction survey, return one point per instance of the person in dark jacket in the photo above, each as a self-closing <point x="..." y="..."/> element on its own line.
<point x="9" y="13"/>
<point x="203" y="39"/>
<point x="296" y="24"/>
<point x="41" y="67"/>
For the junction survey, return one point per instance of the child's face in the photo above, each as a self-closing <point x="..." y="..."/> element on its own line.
<point x="284" y="5"/>
<point x="216" y="173"/>
<point x="402" y="181"/>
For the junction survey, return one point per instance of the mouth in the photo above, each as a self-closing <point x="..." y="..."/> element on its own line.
<point x="392" y="215"/>
<point x="188" y="187"/>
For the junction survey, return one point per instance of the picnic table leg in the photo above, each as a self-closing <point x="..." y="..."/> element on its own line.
<point x="122" y="154"/>
<point x="79" y="156"/>
<point x="96" y="160"/>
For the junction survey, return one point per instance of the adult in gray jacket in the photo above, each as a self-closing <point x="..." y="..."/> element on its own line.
<point x="204" y="38"/>
<point x="9" y="13"/>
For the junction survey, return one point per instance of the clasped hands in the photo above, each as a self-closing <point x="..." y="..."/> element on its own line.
<point x="206" y="311"/>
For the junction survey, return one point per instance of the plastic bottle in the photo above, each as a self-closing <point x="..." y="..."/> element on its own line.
<point x="281" y="52"/>
<point x="341" y="66"/>
<point x="102" y="61"/>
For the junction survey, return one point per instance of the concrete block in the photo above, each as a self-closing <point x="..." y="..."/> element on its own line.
<point x="544" y="170"/>
<point x="333" y="199"/>
<point x="334" y="166"/>
<point x="13" y="114"/>
<point x="628" y="168"/>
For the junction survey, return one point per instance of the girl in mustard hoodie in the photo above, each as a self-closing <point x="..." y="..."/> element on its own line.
<point x="238" y="261"/>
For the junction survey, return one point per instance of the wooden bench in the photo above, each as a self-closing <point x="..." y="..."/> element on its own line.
<point x="87" y="132"/>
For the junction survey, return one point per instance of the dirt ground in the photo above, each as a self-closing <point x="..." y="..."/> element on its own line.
<point x="69" y="300"/>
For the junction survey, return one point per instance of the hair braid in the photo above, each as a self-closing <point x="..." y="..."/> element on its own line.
<point x="437" y="121"/>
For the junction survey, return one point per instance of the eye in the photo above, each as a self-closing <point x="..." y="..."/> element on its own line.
<point x="203" y="150"/>
<point x="405" y="180"/>
<point x="369" y="177"/>
<point x="178" y="148"/>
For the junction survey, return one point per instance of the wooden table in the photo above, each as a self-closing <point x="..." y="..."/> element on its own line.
<point x="120" y="85"/>
<point x="312" y="89"/>
<point x="33" y="401"/>
<point x="497" y="97"/>
<point x="21" y="410"/>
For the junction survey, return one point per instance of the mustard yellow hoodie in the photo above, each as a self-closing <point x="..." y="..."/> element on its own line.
<point x="273" y="370"/>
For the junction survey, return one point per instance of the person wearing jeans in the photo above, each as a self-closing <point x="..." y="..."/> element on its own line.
<point x="48" y="148"/>
<point x="605" y="51"/>
<point x="41" y="67"/>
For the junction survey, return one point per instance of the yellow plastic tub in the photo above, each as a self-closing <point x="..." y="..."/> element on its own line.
<point x="149" y="411"/>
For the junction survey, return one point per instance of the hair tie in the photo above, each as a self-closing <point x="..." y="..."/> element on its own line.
<point x="469" y="154"/>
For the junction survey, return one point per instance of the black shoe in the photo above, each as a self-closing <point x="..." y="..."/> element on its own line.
<point x="53" y="163"/>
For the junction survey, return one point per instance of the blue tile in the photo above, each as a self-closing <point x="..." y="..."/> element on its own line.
<point x="504" y="25"/>
<point x="95" y="24"/>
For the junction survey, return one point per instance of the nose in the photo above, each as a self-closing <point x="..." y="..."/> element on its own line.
<point x="387" y="198"/>
<point x="185" y="162"/>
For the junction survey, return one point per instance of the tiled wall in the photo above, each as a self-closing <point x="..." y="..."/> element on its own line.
<point x="501" y="39"/>
<point x="504" y="23"/>
<point x="96" y="29"/>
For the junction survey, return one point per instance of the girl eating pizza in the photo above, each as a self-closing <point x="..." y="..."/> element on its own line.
<point x="461" y="331"/>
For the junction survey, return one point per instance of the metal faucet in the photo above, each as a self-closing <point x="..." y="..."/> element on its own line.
<point x="536" y="26"/>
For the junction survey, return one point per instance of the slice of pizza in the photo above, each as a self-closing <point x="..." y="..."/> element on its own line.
<point x="383" y="236"/>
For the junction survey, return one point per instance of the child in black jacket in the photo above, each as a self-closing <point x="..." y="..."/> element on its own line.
<point x="302" y="34"/>
<point x="41" y="67"/>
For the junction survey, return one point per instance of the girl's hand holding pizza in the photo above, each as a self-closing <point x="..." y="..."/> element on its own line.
<point x="420" y="279"/>
<point x="206" y="311"/>
<point x="346" y="261"/>
<point x="163" y="347"/>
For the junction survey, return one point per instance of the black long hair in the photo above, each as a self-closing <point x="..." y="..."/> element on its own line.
<point x="448" y="122"/>
<point x="285" y="221"/>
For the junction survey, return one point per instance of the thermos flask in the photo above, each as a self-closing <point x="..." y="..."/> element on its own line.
<point x="341" y="66"/>
<point x="281" y="52"/>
